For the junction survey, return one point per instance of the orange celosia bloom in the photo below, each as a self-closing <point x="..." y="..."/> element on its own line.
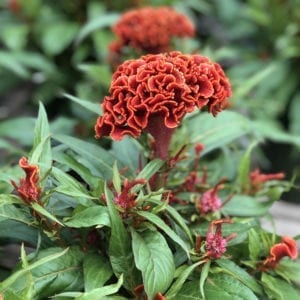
<point x="150" y="29"/>
<point x="287" y="247"/>
<point x="155" y="92"/>
<point x="28" y="188"/>
<point x="257" y="179"/>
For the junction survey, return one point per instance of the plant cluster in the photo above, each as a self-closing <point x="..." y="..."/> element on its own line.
<point x="169" y="206"/>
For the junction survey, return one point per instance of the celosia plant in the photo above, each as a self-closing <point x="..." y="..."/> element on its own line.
<point x="150" y="29"/>
<point x="146" y="213"/>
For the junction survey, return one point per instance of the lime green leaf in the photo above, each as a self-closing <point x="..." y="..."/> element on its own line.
<point x="119" y="251"/>
<point x="91" y="216"/>
<point x="225" y="287"/>
<point x="45" y="213"/>
<point x="154" y="259"/>
<point x="150" y="169"/>
<point x="97" y="23"/>
<point x="289" y="270"/>
<point x="177" y="285"/>
<point x="41" y="152"/>
<point x="96" y="271"/>
<point x="203" y="277"/>
<point x="279" y="289"/>
<point x="164" y="227"/>
<point x="244" y="168"/>
<point x="116" y="179"/>
<point x="236" y="271"/>
<point x="93" y="107"/>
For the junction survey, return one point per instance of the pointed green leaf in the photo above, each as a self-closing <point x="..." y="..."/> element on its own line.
<point x="150" y="169"/>
<point x="236" y="271"/>
<point x="119" y="251"/>
<point x="225" y="287"/>
<point x="203" y="277"/>
<point x="45" y="213"/>
<point x="93" y="107"/>
<point x="96" y="271"/>
<point x="154" y="259"/>
<point x="92" y="216"/>
<point x="164" y="227"/>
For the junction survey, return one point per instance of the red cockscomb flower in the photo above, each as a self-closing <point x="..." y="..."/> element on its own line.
<point x="28" y="188"/>
<point x="151" y="29"/>
<point x="155" y="92"/>
<point x="287" y="247"/>
<point x="257" y="179"/>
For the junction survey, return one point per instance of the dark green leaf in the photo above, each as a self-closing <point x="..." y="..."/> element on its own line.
<point x="191" y="291"/>
<point x="154" y="259"/>
<point x="91" y="216"/>
<point x="96" y="271"/>
<point x="119" y="251"/>
<point x="11" y="212"/>
<point x="101" y="159"/>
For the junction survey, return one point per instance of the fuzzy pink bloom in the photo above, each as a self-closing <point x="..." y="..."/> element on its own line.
<point x="216" y="244"/>
<point x="154" y="93"/>
<point x="28" y="188"/>
<point x="287" y="247"/>
<point x="151" y="29"/>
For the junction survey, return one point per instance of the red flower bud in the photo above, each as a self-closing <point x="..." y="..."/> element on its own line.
<point x="28" y="188"/>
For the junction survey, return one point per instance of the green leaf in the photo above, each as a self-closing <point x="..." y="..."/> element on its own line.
<point x="150" y="169"/>
<point x="41" y="152"/>
<point x="11" y="212"/>
<point x="294" y="113"/>
<point x="203" y="277"/>
<point x="58" y="37"/>
<point x="246" y="206"/>
<point x="102" y="21"/>
<point x="119" y="251"/>
<point x="226" y="287"/>
<point x="279" y="289"/>
<point x="154" y="259"/>
<point x="164" y="227"/>
<point x="176" y="217"/>
<point x="237" y="272"/>
<point x="116" y="179"/>
<point x="8" y="61"/>
<point x="289" y="270"/>
<point x="191" y="291"/>
<point x="244" y="168"/>
<point x="91" y="216"/>
<point x="98" y="157"/>
<point x="255" y="246"/>
<point x="38" y="208"/>
<point x="216" y="132"/>
<point x="183" y="276"/>
<point x="93" y="107"/>
<point x="15" y="36"/>
<point x="96" y="271"/>
<point x="70" y="186"/>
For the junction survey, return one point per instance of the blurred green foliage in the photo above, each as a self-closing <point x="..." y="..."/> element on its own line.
<point x="56" y="47"/>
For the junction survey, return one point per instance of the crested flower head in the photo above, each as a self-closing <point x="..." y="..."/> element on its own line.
<point x="28" y="188"/>
<point x="154" y="93"/>
<point x="151" y="29"/>
<point x="287" y="247"/>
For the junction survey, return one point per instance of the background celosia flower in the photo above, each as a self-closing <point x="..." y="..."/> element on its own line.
<point x="287" y="247"/>
<point x="155" y="92"/>
<point x="28" y="188"/>
<point x="151" y="29"/>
